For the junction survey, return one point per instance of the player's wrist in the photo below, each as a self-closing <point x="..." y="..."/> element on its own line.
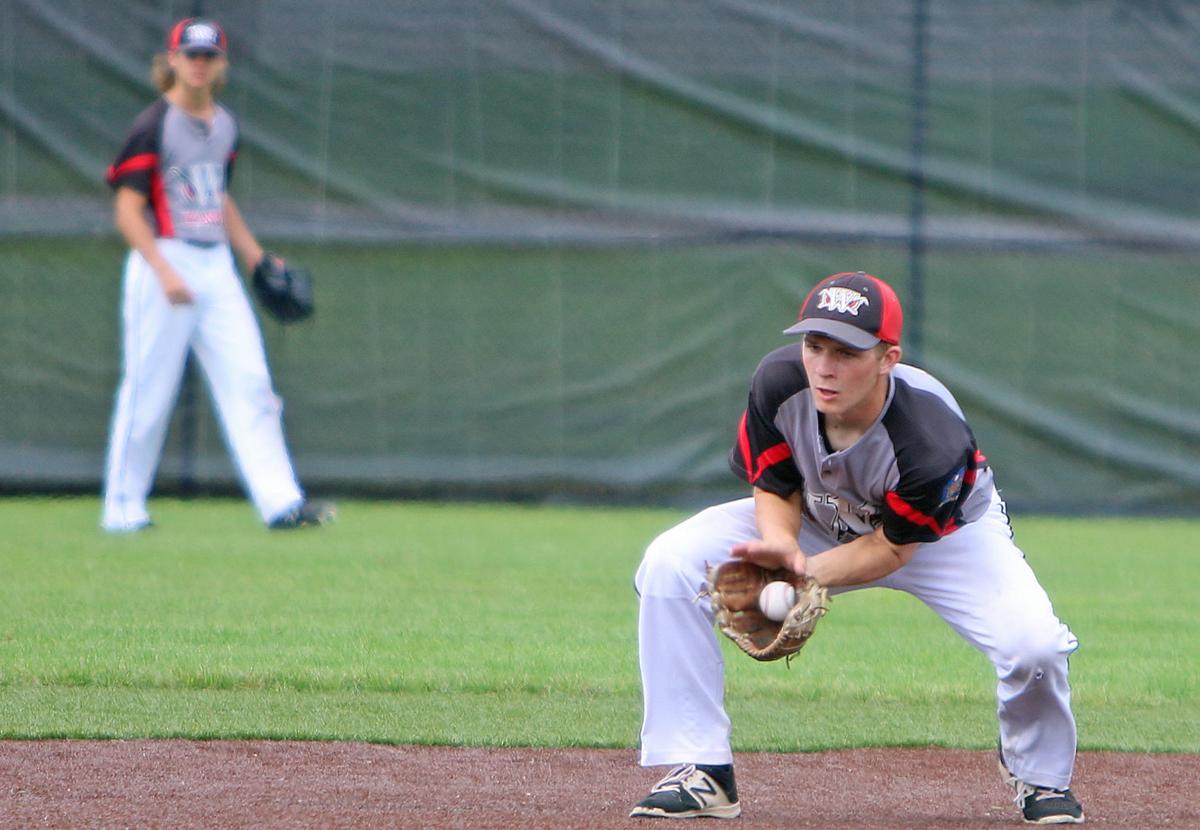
<point x="787" y="552"/>
<point x="798" y="562"/>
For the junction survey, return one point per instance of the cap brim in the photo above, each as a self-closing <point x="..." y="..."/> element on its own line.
<point x="193" y="50"/>
<point x="852" y="336"/>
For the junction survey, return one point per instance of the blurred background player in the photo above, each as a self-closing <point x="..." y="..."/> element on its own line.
<point x="865" y="474"/>
<point x="182" y="291"/>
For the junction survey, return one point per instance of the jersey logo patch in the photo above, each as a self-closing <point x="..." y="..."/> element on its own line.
<point x="182" y="184"/>
<point x="953" y="487"/>
<point x="840" y="518"/>
<point x="198" y="184"/>
<point x="842" y="300"/>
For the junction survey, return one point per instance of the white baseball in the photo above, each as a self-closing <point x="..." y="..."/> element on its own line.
<point x="776" y="599"/>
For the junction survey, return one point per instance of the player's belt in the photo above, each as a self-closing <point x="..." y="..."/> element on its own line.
<point x="202" y="243"/>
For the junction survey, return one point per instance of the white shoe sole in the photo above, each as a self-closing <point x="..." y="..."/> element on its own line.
<point x="724" y="811"/>
<point x="1057" y="820"/>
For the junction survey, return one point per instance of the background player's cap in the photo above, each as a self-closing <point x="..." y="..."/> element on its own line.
<point x="197" y="34"/>
<point x="853" y="308"/>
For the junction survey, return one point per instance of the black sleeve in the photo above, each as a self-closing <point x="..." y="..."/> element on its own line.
<point x="938" y="464"/>
<point x="237" y="144"/>
<point x="761" y="455"/>
<point x="135" y="165"/>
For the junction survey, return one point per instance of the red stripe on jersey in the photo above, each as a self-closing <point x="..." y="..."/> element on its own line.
<point x="905" y="510"/>
<point x="771" y="455"/>
<point x="980" y="461"/>
<point x="158" y="203"/>
<point x="744" y="447"/>
<point x="133" y="164"/>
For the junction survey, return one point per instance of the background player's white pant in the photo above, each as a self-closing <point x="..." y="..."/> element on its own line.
<point x="220" y="328"/>
<point x="976" y="579"/>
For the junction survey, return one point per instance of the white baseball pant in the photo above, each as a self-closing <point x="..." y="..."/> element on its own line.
<point x="976" y="579"/>
<point x="219" y="326"/>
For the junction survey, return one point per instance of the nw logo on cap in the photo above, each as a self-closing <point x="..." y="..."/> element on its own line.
<point x="842" y="300"/>
<point x="202" y="33"/>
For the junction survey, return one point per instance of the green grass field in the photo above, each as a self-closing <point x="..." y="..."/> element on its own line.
<point x="502" y="625"/>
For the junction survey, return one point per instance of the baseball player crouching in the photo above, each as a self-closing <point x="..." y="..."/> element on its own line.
<point x="181" y="291"/>
<point x="864" y="474"/>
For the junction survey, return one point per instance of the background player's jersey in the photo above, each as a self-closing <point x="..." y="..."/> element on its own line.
<point x="916" y="471"/>
<point x="183" y="165"/>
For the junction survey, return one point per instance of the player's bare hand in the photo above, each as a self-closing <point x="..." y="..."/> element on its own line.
<point x="771" y="555"/>
<point x="176" y="289"/>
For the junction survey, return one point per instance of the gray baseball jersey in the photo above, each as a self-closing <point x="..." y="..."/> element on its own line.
<point x="183" y="165"/>
<point x="916" y="471"/>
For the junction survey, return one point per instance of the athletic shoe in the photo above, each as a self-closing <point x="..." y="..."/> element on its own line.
<point x="692" y="791"/>
<point x="1042" y="805"/>
<point x="305" y="514"/>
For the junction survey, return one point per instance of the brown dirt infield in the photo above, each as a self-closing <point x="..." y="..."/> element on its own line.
<point x="289" y="784"/>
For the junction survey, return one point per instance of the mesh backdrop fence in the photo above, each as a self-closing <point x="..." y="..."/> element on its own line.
<point x="552" y="238"/>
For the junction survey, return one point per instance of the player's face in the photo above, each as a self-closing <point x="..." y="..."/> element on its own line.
<point x="847" y="384"/>
<point x="198" y="70"/>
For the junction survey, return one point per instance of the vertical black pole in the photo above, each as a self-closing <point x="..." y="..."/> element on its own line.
<point x="187" y="430"/>
<point x="914" y="309"/>
<point x="187" y="394"/>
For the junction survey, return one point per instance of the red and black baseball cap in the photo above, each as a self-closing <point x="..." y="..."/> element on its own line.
<point x="197" y="34"/>
<point x="854" y="308"/>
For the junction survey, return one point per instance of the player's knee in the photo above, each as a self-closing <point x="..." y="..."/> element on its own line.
<point x="665" y="568"/>
<point x="262" y="396"/>
<point x="1032" y="653"/>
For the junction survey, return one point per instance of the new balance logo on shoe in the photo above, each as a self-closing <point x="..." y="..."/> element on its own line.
<point x="691" y="791"/>
<point x="699" y="791"/>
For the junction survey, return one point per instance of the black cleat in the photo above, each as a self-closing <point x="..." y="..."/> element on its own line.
<point x="692" y="791"/>
<point x="306" y="514"/>
<point x="1042" y="805"/>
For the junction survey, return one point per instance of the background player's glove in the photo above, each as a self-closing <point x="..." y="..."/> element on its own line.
<point x="285" y="292"/>
<point x="734" y="588"/>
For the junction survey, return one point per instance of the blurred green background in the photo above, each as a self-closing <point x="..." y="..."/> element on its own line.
<point x="552" y="239"/>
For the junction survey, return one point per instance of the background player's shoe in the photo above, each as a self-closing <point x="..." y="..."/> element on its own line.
<point x="306" y="514"/>
<point x="1042" y="805"/>
<point x="692" y="791"/>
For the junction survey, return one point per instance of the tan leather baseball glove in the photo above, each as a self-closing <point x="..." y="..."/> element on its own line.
<point x="734" y="588"/>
